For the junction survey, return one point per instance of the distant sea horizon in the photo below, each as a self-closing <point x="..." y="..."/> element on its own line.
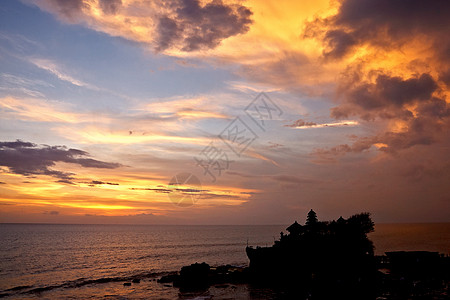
<point x="162" y="224"/>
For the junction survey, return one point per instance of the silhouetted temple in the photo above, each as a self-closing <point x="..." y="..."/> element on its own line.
<point x="326" y="260"/>
<point x="336" y="254"/>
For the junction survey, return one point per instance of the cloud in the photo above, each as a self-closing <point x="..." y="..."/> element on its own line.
<point x="383" y="24"/>
<point x="27" y="159"/>
<point x="202" y="194"/>
<point x="66" y="181"/>
<point x="396" y="62"/>
<point x="189" y="113"/>
<point x="193" y="26"/>
<point x="428" y="128"/>
<point x="110" y="6"/>
<point x="387" y="97"/>
<point x="105" y="136"/>
<point x="185" y="108"/>
<point x="185" y="25"/>
<point x="52" y="67"/>
<point x="40" y="110"/>
<point x="158" y="190"/>
<point x="301" y="124"/>
<point x="415" y="113"/>
<point x="98" y="182"/>
<point x="29" y="87"/>
<point x="262" y="38"/>
<point x="68" y="10"/>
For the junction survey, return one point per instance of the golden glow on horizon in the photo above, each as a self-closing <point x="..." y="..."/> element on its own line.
<point x="114" y="196"/>
<point x="97" y="136"/>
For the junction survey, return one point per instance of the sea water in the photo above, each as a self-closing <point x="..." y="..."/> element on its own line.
<point x="91" y="261"/>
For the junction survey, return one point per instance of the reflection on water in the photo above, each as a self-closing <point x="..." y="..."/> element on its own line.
<point x="411" y="237"/>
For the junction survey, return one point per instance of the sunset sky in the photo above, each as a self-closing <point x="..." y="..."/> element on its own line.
<point x="103" y="102"/>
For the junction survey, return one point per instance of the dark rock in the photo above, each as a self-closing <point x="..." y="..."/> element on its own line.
<point x="127" y="284"/>
<point x="136" y="280"/>
<point x="169" y="278"/>
<point x="193" y="276"/>
<point x="198" y="277"/>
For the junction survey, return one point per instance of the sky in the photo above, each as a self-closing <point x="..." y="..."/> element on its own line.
<point x="224" y="112"/>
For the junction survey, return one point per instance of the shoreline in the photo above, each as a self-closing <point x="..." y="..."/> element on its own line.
<point x="399" y="274"/>
<point x="225" y="281"/>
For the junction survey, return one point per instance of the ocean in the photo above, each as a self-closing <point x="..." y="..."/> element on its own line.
<point x="47" y="261"/>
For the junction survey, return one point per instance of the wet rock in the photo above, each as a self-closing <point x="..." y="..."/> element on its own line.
<point x="194" y="276"/>
<point x="169" y="278"/>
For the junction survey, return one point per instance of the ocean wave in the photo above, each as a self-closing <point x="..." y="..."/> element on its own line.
<point x="26" y="289"/>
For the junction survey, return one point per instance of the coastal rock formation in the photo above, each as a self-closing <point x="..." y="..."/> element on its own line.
<point x="201" y="276"/>
<point x="335" y="254"/>
<point x="324" y="260"/>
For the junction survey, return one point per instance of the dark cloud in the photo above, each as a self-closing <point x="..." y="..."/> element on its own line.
<point x="158" y="190"/>
<point x="97" y="182"/>
<point x="424" y="130"/>
<point x="301" y="123"/>
<point x="425" y="116"/>
<point x="71" y="10"/>
<point x="170" y="190"/>
<point x="204" y="194"/>
<point x="445" y="77"/>
<point x="66" y="181"/>
<point x="110" y="6"/>
<point x="187" y="25"/>
<point x="16" y="144"/>
<point x="30" y="159"/>
<point x="274" y="145"/>
<point x="168" y="33"/>
<point x="386" y="98"/>
<point x="52" y="212"/>
<point x="382" y="23"/>
<point x="416" y="99"/>
<point x="194" y="26"/>
<point x="338" y="43"/>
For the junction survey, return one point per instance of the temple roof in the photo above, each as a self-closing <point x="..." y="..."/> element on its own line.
<point x="294" y="227"/>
